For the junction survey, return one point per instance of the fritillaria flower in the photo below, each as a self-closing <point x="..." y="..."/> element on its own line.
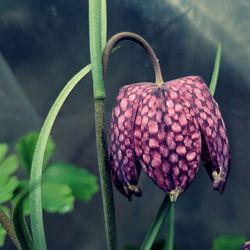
<point x="246" y="246"/>
<point x="167" y="130"/>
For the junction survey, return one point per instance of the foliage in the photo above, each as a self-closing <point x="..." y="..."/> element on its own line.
<point x="25" y="148"/>
<point x="63" y="183"/>
<point x="227" y="242"/>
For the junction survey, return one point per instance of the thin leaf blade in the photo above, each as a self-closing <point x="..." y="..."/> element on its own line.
<point x="21" y="228"/>
<point x="215" y="74"/>
<point x="36" y="215"/>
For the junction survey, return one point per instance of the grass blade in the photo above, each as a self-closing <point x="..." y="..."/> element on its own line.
<point x="36" y="215"/>
<point x="216" y="70"/>
<point x="21" y="228"/>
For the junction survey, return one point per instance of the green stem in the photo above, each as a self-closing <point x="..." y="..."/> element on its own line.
<point x="97" y="35"/>
<point x="36" y="214"/>
<point x="156" y="225"/>
<point x="9" y="228"/>
<point x="106" y="182"/>
<point x="169" y="242"/>
<point x="103" y="24"/>
<point x="96" y="41"/>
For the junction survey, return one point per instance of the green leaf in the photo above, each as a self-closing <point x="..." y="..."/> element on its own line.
<point x="214" y="78"/>
<point x="57" y="198"/>
<point x="3" y="150"/>
<point x="9" y="165"/>
<point x="2" y="230"/>
<point x="227" y="242"/>
<point x="83" y="184"/>
<point x="25" y="149"/>
<point x="8" y="183"/>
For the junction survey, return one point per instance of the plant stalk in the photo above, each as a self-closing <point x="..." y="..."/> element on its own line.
<point x="156" y="225"/>
<point x="169" y="242"/>
<point x="106" y="182"/>
<point x="97" y="35"/>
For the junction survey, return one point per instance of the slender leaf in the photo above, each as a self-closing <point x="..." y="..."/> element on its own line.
<point x="38" y="159"/>
<point x="21" y="228"/>
<point x="215" y="75"/>
<point x="83" y="184"/>
<point x="156" y="225"/>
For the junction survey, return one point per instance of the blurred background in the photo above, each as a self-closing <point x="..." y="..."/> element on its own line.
<point x="44" y="43"/>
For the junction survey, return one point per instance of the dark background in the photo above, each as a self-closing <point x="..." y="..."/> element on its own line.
<point x="44" y="43"/>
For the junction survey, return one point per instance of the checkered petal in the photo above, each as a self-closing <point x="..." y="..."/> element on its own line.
<point x="215" y="149"/>
<point x="167" y="139"/>
<point x="125" y="168"/>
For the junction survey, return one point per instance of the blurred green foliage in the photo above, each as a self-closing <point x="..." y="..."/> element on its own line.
<point x="62" y="184"/>
<point x="222" y="242"/>
<point x="228" y="242"/>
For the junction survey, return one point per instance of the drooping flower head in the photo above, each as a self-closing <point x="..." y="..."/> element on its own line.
<point x="166" y="130"/>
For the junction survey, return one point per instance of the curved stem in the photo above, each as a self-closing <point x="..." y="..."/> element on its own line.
<point x="138" y="39"/>
<point x="9" y="227"/>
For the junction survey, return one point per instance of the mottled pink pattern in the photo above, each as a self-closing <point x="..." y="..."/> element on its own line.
<point x="124" y="165"/>
<point x="246" y="246"/>
<point x="168" y="146"/>
<point x="215" y="150"/>
<point x="167" y="130"/>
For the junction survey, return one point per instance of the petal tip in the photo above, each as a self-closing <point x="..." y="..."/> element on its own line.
<point x="174" y="194"/>
<point x="219" y="180"/>
<point x="135" y="190"/>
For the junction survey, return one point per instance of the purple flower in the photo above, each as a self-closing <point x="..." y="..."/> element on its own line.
<point x="246" y="246"/>
<point x="167" y="130"/>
